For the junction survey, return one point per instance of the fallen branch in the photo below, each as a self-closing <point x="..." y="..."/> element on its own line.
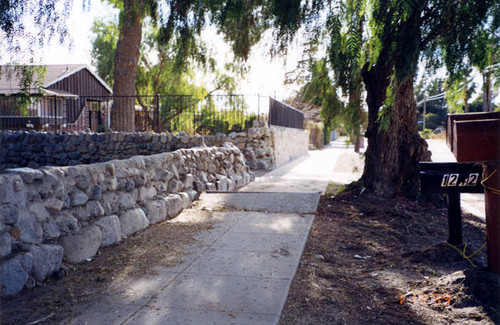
<point x="41" y="319"/>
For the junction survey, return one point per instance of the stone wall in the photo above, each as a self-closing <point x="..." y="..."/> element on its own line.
<point x="264" y="147"/>
<point x="36" y="149"/>
<point x="52" y="213"/>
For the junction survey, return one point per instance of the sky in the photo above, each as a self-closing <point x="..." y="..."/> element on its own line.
<point x="266" y="75"/>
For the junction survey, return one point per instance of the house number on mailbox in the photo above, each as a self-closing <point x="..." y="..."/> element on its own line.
<point x="450" y="180"/>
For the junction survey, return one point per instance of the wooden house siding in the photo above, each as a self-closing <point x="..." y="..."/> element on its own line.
<point x="81" y="83"/>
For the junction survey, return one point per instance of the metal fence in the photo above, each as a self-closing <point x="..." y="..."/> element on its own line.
<point x="281" y="114"/>
<point x="22" y="112"/>
<point x="174" y="113"/>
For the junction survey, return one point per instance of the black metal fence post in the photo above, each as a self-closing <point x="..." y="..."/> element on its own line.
<point x="157" y="114"/>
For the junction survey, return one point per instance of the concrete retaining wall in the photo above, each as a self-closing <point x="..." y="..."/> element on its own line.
<point x="71" y="212"/>
<point x="288" y="144"/>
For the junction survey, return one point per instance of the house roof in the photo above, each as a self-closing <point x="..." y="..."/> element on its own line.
<point x="9" y="80"/>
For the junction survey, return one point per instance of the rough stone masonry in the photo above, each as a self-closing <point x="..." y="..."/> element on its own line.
<point x="264" y="147"/>
<point x="70" y="212"/>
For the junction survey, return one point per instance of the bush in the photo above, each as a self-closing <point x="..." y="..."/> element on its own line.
<point x="426" y="133"/>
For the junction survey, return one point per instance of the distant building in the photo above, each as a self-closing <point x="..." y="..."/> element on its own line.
<point x="69" y="97"/>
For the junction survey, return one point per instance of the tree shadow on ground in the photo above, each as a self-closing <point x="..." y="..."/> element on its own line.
<point x="373" y="260"/>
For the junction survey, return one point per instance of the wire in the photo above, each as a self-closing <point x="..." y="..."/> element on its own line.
<point x="430" y="98"/>
<point x="491" y="189"/>
<point x="462" y="253"/>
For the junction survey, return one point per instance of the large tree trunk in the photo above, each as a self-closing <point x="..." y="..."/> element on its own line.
<point x="392" y="155"/>
<point x="126" y="61"/>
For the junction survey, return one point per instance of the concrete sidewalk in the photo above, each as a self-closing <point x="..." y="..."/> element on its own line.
<point x="240" y="271"/>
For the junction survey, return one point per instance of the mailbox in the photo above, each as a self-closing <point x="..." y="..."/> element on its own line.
<point x="451" y="177"/>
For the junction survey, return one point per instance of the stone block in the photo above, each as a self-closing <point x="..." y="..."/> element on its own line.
<point x="78" y="198"/>
<point x="82" y="182"/>
<point x="186" y="200"/>
<point x="5" y="244"/>
<point x="28" y="175"/>
<point x="173" y="204"/>
<point x="146" y="193"/>
<point x="111" y="184"/>
<point x="192" y="194"/>
<point x="80" y="213"/>
<point x="188" y="182"/>
<point x="30" y="230"/>
<point x="7" y="194"/>
<point x="14" y="273"/>
<point x="67" y="223"/>
<point x="83" y="245"/>
<point x="199" y="186"/>
<point x="110" y="168"/>
<point x="110" y="230"/>
<point x="17" y="183"/>
<point x="51" y="230"/>
<point x="126" y="200"/>
<point x="175" y="171"/>
<point x="95" y="209"/>
<point x="9" y="213"/>
<point x="39" y="211"/>
<point x="230" y="185"/>
<point x="156" y="211"/>
<point x="133" y="221"/>
<point x="174" y="185"/>
<point x="54" y="205"/>
<point x="222" y="184"/>
<point x="96" y="193"/>
<point x="46" y="260"/>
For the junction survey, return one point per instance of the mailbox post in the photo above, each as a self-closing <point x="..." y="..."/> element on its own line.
<point x="452" y="179"/>
<point x="475" y="137"/>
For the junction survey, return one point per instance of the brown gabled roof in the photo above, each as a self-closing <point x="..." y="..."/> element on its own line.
<point x="9" y="80"/>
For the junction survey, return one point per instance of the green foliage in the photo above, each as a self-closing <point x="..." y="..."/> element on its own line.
<point x="158" y="71"/>
<point x="207" y="116"/>
<point x="103" y="49"/>
<point x="384" y="117"/>
<point x="455" y="95"/>
<point x="426" y="133"/>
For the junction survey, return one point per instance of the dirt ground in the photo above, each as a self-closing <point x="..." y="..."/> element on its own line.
<point x="375" y="261"/>
<point x="51" y="302"/>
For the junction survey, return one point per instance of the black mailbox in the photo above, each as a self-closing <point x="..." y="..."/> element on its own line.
<point x="452" y="179"/>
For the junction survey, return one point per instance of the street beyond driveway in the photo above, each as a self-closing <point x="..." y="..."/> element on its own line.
<point x="472" y="203"/>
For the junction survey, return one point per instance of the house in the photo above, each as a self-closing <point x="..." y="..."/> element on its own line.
<point x="66" y="97"/>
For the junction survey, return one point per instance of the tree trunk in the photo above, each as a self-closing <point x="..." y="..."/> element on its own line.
<point x="126" y="61"/>
<point x="392" y="155"/>
<point x="357" y="146"/>
<point x="487" y="92"/>
<point x="466" y="100"/>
